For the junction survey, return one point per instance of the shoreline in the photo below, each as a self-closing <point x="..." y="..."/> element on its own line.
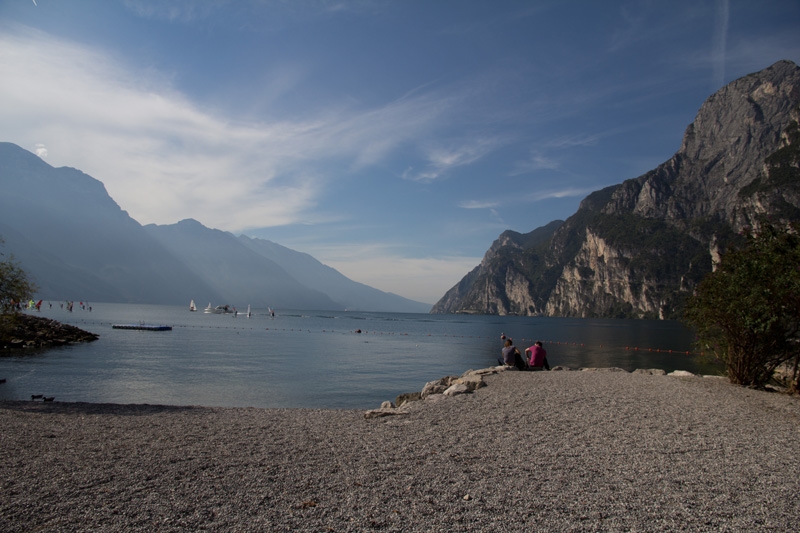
<point x="532" y="450"/>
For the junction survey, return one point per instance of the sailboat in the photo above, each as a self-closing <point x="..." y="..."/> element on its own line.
<point x="248" y="311"/>
<point x="192" y="307"/>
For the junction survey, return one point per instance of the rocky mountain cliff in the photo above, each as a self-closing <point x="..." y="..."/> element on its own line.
<point x="637" y="249"/>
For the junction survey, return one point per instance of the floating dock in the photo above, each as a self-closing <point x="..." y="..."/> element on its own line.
<point x="146" y="327"/>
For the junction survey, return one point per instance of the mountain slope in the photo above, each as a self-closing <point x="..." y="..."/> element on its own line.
<point x="76" y="243"/>
<point x="637" y="249"/>
<point x="505" y="282"/>
<point x="315" y="275"/>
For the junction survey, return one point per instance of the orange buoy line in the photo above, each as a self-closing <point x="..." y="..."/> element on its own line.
<point x="627" y="348"/>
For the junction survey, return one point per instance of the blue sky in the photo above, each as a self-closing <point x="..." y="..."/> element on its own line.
<point x="391" y="140"/>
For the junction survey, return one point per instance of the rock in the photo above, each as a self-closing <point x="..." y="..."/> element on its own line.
<point x="21" y="330"/>
<point x="379" y="413"/>
<point x="458" y="388"/>
<point x="387" y="405"/>
<point x="581" y="267"/>
<point x="472" y="382"/>
<point x="681" y="374"/>
<point x="561" y="368"/>
<point x="480" y="372"/>
<point x="407" y="397"/>
<point x="651" y="371"/>
<point x="609" y="369"/>
<point x="437" y="387"/>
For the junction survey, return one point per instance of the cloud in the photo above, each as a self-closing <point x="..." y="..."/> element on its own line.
<point x="569" y="192"/>
<point x="175" y="10"/>
<point x="40" y="150"/>
<point x="536" y="161"/>
<point x="522" y="199"/>
<point x="720" y="40"/>
<point x="165" y="159"/>
<point x="441" y="159"/>
<point x="479" y="204"/>
<point x="540" y="160"/>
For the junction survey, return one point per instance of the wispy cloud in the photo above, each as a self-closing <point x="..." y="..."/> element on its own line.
<point x="164" y="158"/>
<point x="479" y="204"/>
<point x="527" y="198"/>
<point x="541" y="156"/>
<point x="720" y="41"/>
<point x="175" y="10"/>
<point x="441" y="159"/>
<point x="536" y="161"/>
<point x="569" y="192"/>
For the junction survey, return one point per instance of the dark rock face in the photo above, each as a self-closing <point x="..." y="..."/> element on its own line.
<point x="25" y="331"/>
<point x="639" y="248"/>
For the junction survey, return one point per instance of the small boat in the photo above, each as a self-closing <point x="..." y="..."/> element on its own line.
<point x="248" y="311"/>
<point x="143" y="326"/>
<point x="218" y="310"/>
<point x="192" y="307"/>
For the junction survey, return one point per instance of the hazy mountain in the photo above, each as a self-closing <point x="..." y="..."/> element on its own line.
<point x="76" y="243"/>
<point x="315" y="275"/>
<point x="638" y="249"/>
<point x="244" y="277"/>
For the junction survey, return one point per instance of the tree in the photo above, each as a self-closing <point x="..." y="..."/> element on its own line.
<point x="747" y="312"/>
<point x="14" y="285"/>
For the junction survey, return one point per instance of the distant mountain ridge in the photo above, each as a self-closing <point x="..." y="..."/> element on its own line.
<point x="76" y="243"/>
<point x="637" y="249"/>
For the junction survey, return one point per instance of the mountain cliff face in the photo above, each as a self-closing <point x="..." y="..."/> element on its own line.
<point x="637" y="249"/>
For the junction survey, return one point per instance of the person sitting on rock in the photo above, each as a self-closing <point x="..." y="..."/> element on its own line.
<point x="511" y="355"/>
<point x="537" y="357"/>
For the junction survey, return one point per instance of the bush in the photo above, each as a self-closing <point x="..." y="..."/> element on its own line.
<point x="747" y="312"/>
<point x="14" y="285"/>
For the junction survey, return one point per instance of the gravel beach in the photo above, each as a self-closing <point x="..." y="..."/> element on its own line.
<point x="546" y="451"/>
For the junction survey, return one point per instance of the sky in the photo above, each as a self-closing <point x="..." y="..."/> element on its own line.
<point x="391" y="140"/>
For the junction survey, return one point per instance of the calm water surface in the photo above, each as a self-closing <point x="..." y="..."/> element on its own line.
<point x="312" y="358"/>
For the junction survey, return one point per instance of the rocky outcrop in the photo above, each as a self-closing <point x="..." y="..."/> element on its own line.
<point x="19" y="331"/>
<point x="472" y="380"/>
<point x="507" y="280"/>
<point x="639" y="248"/>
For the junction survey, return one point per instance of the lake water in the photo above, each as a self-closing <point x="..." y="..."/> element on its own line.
<point x="312" y="358"/>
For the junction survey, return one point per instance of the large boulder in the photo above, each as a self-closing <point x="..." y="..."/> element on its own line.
<point x="407" y="397"/>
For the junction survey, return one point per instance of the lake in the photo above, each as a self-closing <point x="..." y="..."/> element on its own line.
<point x="312" y="358"/>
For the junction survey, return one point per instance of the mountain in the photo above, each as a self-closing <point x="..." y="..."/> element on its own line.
<point x="315" y="275"/>
<point x="637" y="249"/>
<point x="76" y="243"/>
<point x="244" y="277"/>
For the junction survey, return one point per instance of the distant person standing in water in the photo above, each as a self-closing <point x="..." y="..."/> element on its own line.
<point x="537" y="357"/>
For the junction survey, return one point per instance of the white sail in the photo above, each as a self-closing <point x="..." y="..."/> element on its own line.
<point x="248" y="311"/>
<point x="192" y="307"/>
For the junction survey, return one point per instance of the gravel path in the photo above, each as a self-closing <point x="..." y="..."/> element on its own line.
<point x="549" y="451"/>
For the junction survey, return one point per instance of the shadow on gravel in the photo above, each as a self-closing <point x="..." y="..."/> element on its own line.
<point x="85" y="408"/>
